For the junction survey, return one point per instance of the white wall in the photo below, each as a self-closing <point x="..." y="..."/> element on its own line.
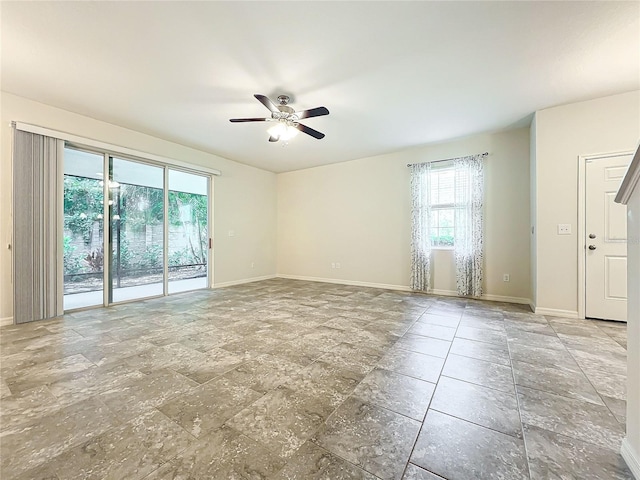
<point x="244" y="197"/>
<point x="609" y="124"/>
<point x="357" y="213"/>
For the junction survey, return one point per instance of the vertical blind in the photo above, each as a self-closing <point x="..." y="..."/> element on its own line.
<point x="37" y="207"/>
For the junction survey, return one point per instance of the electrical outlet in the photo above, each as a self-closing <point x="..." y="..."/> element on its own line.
<point x="337" y="265"/>
<point x="333" y="265"/>
<point x="506" y="277"/>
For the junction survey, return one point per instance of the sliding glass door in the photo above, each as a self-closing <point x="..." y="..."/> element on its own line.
<point x="83" y="240"/>
<point x="154" y="229"/>
<point x="188" y="231"/>
<point x="136" y="233"/>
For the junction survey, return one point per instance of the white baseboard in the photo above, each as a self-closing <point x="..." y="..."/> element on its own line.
<point x="354" y="283"/>
<point x="404" y="288"/>
<point x="446" y="293"/>
<point x="631" y="457"/>
<point x="243" y="281"/>
<point x="490" y="297"/>
<point x="554" y="312"/>
<point x="6" y="321"/>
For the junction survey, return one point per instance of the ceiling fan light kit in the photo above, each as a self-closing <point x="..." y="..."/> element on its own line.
<point x="287" y="119"/>
<point x="282" y="131"/>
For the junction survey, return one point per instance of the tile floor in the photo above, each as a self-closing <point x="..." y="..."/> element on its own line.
<point x="285" y="379"/>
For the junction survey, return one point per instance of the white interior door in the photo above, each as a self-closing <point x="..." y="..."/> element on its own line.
<point x="606" y="239"/>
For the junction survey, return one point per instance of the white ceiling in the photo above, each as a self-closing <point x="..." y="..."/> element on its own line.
<point x="393" y="74"/>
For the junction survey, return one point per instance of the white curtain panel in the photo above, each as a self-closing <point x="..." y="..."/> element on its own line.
<point x="469" y="232"/>
<point x="420" y="238"/>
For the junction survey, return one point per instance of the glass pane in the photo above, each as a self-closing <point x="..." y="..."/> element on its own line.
<point x="434" y="220"/>
<point x="83" y="229"/>
<point x="446" y="237"/>
<point x="446" y="191"/>
<point x="188" y="231"/>
<point x="442" y="186"/>
<point x="446" y="218"/>
<point x="435" y="237"/>
<point x="136" y="204"/>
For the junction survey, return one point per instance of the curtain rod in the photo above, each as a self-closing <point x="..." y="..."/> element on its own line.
<point x="445" y="159"/>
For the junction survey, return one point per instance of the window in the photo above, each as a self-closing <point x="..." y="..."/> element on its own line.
<point x="446" y="212"/>
<point x="442" y="199"/>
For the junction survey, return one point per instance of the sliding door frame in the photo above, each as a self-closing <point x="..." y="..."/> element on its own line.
<point x="210" y="270"/>
<point x="209" y="177"/>
<point x="106" y="235"/>
<point x="107" y="273"/>
<point x="165" y="232"/>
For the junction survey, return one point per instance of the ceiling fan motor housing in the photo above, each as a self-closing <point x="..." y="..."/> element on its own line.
<point x="286" y="114"/>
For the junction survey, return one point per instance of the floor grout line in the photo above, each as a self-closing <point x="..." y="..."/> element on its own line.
<point x="415" y="442"/>
<point x="267" y="298"/>
<point x="515" y="386"/>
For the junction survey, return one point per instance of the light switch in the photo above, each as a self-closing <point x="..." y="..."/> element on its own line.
<point x="564" y="229"/>
<point x="232" y="233"/>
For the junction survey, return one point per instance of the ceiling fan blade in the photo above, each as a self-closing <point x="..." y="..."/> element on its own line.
<point x="267" y="103"/>
<point x="273" y="138"/>
<point x="238" y="120"/>
<point x="309" y="131"/>
<point x="314" y="112"/>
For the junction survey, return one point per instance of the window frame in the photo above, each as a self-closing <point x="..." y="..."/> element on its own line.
<point x="436" y="207"/>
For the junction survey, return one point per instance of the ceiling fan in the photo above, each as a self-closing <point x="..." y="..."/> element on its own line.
<point x="286" y="118"/>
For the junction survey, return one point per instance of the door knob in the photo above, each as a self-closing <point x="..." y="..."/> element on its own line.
<point x="592" y="235"/>
<point x="592" y="247"/>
